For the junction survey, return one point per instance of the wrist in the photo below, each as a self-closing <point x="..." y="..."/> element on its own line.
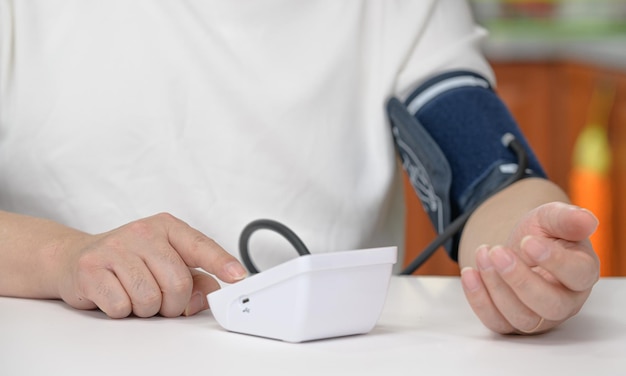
<point x="57" y="261"/>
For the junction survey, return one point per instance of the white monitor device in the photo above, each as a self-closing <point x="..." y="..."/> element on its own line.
<point x="310" y="297"/>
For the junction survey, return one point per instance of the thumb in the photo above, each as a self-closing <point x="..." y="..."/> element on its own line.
<point x="203" y="284"/>
<point x="564" y="221"/>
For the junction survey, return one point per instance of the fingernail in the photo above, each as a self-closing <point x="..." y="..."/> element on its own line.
<point x="482" y="258"/>
<point x="236" y="271"/>
<point x="469" y="279"/>
<point x="591" y="214"/>
<point x="534" y="249"/>
<point x="501" y="258"/>
<point x="197" y="303"/>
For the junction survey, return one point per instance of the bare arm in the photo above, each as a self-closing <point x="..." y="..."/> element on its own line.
<point x="146" y="267"/>
<point x="31" y="254"/>
<point x="493" y="221"/>
<point x="527" y="262"/>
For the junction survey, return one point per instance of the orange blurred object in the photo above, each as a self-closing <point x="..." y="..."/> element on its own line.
<point x="590" y="180"/>
<point x="592" y="191"/>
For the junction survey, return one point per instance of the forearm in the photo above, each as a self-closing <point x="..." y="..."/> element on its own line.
<point x="32" y="251"/>
<point x="493" y="221"/>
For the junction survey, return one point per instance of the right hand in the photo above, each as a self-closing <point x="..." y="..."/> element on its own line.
<point x="540" y="277"/>
<point x="146" y="267"/>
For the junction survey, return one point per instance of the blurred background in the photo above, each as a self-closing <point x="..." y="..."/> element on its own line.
<point x="561" y="69"/>
<point x="570" y="19"/>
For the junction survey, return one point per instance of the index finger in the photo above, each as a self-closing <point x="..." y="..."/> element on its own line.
<point x="574" y="265"/>
<point x="199" y="251"/>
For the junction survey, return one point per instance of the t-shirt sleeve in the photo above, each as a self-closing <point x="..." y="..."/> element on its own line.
<point x="448" y="40"/>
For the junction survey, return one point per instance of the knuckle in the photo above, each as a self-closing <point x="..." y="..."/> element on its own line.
<point x="151" y="227"/>
<point x="146" y="297"/>
<point x="176" y="294"/>
<point x="103" y="289"/>
<point x="117" y="310"/>
<point x="165" y="217"/>
<point x="168" y="256"/>
<point x="142" y="229"/>
<point x="152" y="298"/>
<point x="114" y="307"/>
<point x="181" y="285"/>
<point x="147" y="305"/>
<point x="201" y="243"/>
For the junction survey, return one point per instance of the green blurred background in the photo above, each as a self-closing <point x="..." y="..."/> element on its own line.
<point x="552" y="18"/>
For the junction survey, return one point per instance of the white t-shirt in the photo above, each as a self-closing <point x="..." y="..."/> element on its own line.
<point x="219" y="112"/>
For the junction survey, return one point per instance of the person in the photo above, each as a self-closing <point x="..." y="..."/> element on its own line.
<point x="138" y="138"/>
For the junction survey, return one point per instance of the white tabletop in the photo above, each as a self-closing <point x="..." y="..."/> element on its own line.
<point x="426" y="328"/>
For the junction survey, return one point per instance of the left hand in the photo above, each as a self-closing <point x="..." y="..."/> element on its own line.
<point x="540" y="277"/>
